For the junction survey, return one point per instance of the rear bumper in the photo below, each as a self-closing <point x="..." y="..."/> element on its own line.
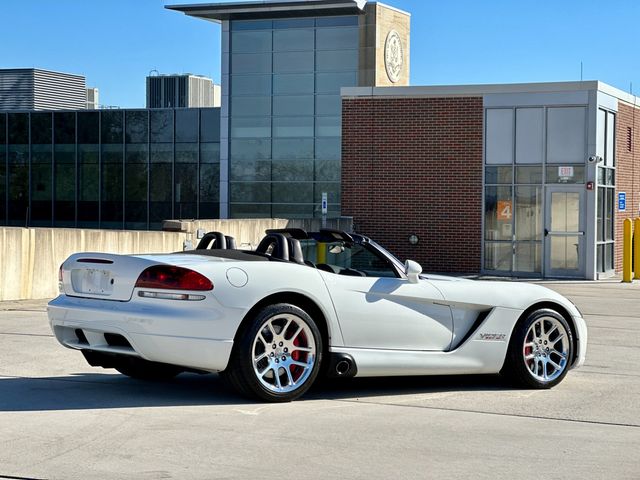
<point x="191" y="334"/>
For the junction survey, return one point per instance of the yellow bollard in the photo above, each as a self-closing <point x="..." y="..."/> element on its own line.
<point x="626" y="251"/>
<point x="636" y="250"/>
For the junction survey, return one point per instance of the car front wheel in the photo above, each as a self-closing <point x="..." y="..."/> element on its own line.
<point x="540" y="350"/>
<point x="278" y="355"/>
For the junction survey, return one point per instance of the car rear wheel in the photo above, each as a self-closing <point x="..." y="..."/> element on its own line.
<point x="540" y="350"/>
<point x="278" y="356"/>
<point x="145" y="370"/>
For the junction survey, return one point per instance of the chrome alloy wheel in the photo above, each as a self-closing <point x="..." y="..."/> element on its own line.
<point x="546" y="349"/>
<point x="284" y="353"/>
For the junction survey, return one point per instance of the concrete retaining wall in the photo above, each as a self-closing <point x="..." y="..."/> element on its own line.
<point x="30" y="257"/>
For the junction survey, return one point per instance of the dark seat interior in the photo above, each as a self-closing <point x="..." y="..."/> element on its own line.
<point x="213" y="240"/>
<point x="275" y="245"/>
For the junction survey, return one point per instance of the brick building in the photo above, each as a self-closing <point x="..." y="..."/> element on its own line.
<point x="520" y="180"/>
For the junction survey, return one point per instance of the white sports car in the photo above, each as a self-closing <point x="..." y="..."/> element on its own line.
<point x="304" y="304"/>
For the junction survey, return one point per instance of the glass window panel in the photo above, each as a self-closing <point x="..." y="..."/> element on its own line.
<point x="601" y="179"/>
<point x="292" y="192"/>
<point x="161" y="153"/>
<point x="498" y="213"/>
<point x="499" y="136"/>
<point x="294" y="39"/>
<point x="328" y="105"/>
<point x="337" y="38"/>
<point x="600" y="258"/>
<point x="41" y="131"/>
<point x="137" y="153"/>
<point x="292" y="211"/>
<point x="251" y="41"/>
<point x="293" y="126"/>
<point x="340" y="21"/>
<point x="3" y="129"/>
<point x="209" y="124"/>
<point x="284" y="62"/>
<point x="161" y="126"/>
<point x="3" y="176"/>
<point x="328" y="148"/>
<point x="528" y="257"/>
<point x="111" y="126"/>
<point x="564" y="253"/>
<point x="292" y="148"/>
<point x="250" y="149"/>
<point x="332" y="82"/>
<point x="255" y="127"/>
<point x="187" y="153"/>
<point x="65" y="127"/>
<point x="566" y="135"/>
<point x="327" y="170"/>
<point x="250" y="170"/>
<point x="291" y="84"/>
<point x="292" y="170"/>
<point x="565" y="211"/>
<point x="251" y="24"/>
<point x="601" y="127"/>
<point x="529" y="129"/>
<point x="251" y="63"/>
<point x="608" y="256"/>
<point x="608" y="214"/>
<point x="328" y="127"/>
<point x="600" y="214"/>
<point x="250" y="210"/>
<point x="136" y="126"/>
<point x="332" y="189"/>
<point x="186" y="190"/>
<point x="336" y="60"/>
<point x="250" y="192"/>
<point x="209" y="153"/>
<point x="293" y="105"/>
<point x="160" y="180"/>
<point x="528" y="174"/>
<point x="18" y="154"/>
<point x="528" y="211"/>
<point x="250" y="85"/>
<point x="41" y="193"/>
<point x="18" y="177"/>
<point x="609" y="159"/>
<point x="250" y="106"/>
<point x="187" y="125"/>
<point x="555" y="175"/>
<point x="498" y="256"/>
<point x="294" y="23"/>
<point x="135" y="207"/>
<point x="88" y="174"/>
<point x="112" y="188"/>
<point x="88" y="127"/>
<point x="498" y="175"/>
<point x="18" y="128"/>
<point x="609" y="176"/>
<point x="40" y="153"/>
<point x="210" y="184"/>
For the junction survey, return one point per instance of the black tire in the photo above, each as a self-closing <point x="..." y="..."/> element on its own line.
<point x="532" y="357"/>
<point x="145" y="370"/>
<point x="242" y="376"/>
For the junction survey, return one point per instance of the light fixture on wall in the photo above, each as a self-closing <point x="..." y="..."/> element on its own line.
<point x="414" y="239"/>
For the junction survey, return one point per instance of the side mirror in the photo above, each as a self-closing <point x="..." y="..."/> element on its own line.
<point x="412" y="270"/>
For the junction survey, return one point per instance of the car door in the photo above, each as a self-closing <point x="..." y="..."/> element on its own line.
<point x="380" y="310"/>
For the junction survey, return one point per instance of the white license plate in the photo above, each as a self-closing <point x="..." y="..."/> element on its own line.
<point x="93" y="281"/>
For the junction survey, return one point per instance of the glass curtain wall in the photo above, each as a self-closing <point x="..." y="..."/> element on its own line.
<point x="109" y="169"/>
<point x="606" y="191"/>
<point x="518" y="163"/>
<point x="285" y="113"/>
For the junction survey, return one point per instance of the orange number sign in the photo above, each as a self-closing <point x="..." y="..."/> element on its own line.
<point x="505" y="210"/>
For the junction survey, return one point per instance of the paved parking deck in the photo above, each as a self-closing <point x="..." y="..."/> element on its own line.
<point x="60" y="418"/>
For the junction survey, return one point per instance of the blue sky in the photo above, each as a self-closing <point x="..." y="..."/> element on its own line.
<point x="116" y="43"/>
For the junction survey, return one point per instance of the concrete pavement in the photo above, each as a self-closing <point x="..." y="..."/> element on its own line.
<point x="60" y="418"/>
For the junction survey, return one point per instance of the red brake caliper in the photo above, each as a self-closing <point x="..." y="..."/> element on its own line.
<point x="296" y="370"/>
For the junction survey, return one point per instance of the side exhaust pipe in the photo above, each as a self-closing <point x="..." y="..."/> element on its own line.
<point x="342" y="365"/>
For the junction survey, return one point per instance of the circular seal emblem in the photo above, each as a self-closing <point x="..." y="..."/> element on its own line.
<point x="393" y="56"/>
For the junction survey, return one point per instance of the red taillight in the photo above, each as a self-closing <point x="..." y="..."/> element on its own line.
<point x="173" y="278"/>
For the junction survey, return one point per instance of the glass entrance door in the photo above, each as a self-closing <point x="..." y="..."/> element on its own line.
<point x="564" y="232"/>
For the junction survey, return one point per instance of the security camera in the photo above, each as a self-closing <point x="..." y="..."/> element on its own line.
<point x="595" y="159"/>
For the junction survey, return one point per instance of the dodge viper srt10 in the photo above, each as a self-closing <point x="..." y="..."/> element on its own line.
<point x="305" y="304"/>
